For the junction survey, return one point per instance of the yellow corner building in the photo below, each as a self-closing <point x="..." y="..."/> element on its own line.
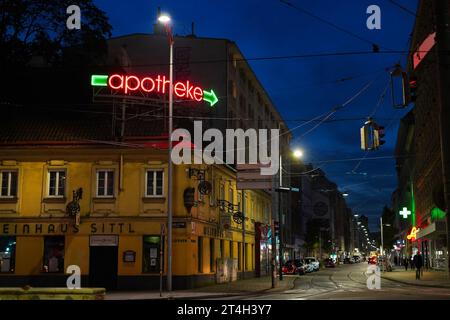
<point x="119" y="237"/>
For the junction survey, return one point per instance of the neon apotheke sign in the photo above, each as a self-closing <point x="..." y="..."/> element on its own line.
<point x="159" y="84"/>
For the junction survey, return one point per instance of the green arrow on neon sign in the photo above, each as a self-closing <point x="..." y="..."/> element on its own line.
<point x="99" y="80"/>
<point x="210" y="97"/>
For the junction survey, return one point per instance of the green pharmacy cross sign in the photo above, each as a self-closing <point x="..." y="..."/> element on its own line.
<point x="405" y="213"/>
<point x="159" y="84"/>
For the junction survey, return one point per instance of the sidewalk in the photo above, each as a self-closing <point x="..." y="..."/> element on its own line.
<point x="236" y="288"/>
<point x="430" y="278"/>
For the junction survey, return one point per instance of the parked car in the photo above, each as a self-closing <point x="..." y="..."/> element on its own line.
<point x="329" y="263"/>
<point x="356" y="259"/>
<point x="294" y="267"/>
<point x="313" y="262"/>
<point x="348" y="260"/>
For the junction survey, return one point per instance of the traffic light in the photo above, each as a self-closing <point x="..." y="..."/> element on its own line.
<point x="364" y="137"/>
<point x="413" y="88"/>
<point x="378" y="135"/>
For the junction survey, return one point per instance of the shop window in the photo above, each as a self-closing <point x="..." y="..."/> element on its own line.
<point x="200" y="255"/>
<point x="56" y="183"/>
<point x="53" y="254"/>
<point x="231" y="249"/>
<point x="8" y="184"/>
<point x="154" y="183"/>
<point x="105" y="183"/>
<point x="211" y="255"/>
<point x="7" y="254"/>
<point x="222" y="248"/>
<point x="151" y="260"/>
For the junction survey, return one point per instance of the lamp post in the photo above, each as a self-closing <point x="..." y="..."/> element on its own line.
<point x="165" y="19"/>
<point x="298" y="153"/>
<point x="382" y="239"/>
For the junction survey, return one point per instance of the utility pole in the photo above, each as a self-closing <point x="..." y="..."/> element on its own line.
<point x="442" y="18"/>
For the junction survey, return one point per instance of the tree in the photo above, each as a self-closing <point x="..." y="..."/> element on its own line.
<point x="31" y="29"/>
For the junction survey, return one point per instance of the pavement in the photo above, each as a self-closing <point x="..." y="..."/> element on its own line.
<point x="345" y="282"/>
<point x="430" y="278"/>
<point x="248" y="287"/>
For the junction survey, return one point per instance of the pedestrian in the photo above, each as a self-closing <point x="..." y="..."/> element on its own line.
<point x="405" y="263"/>
<point x="418" y="262"/>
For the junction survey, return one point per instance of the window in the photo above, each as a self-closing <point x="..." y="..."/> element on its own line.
<point x="246" y="254"/>
<point x="56" y="183"/>
<point x="239" y="256"/>
<point x="222" y="248"/>
<point x="53" y="254"/>
<point x="239" y="199"/>
<point x="105" y="183"/>
<point x="200" y="255"/>
<point x="8" y="184"/>
<point x="151" y="251"/>
<point x="231" y="195"/>
<point x="231" y="249"/>
<point x="7" y="254"/>
<point x="222" y="192"/>
<point x="211" y="255"/>
<point x="154" y="183"/>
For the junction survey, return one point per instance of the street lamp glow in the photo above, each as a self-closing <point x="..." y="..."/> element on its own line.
<point x="345" y="194"/>
<point x="164" y="18"/>
<point x="356" y="216"/>
<point x="298" y="153"/>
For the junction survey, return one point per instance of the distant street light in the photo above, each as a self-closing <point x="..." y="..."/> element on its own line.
<point x="298" y="153"/>
<point x="345" y="194"/>
<point x="164" y="18"/>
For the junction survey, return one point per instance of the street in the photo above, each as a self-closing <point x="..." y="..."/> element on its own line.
<point x="348" y="282"/>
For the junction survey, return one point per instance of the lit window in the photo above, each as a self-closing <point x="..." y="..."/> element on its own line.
<point x="152" y="247"/>
<point x="105" y="183"/>
<point x="8" y="184"/>
<point x="154" y="183"/>
<point x="7" y="254"/>
<point x="53" y="254"/>
<point x="56" y="183"/>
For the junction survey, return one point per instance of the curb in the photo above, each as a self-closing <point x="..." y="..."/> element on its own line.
<point x="416" y="284"/>
<point x="225" y="295"/>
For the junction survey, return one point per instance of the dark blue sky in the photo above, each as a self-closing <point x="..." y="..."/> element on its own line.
<point x="306" y="88"/>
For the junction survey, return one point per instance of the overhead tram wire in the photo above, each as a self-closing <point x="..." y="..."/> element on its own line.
<point x="402" y="7"/>
<point x="329" y="23"/>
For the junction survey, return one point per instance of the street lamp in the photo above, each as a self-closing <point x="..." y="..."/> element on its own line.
<point x="165" y="19"/>
<point x="298" y="153"/>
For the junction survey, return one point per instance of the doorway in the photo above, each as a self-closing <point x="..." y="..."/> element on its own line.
<point x="103" y="267"/>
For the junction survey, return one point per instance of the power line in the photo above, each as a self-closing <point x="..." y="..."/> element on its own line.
<point x="405" y="9"/>
<point x="329" y="23"/>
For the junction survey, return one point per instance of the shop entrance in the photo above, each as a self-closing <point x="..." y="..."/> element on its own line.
<point x="103" y="257"/>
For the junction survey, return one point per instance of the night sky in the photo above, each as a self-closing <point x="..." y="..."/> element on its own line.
<point x="307" y="87"/>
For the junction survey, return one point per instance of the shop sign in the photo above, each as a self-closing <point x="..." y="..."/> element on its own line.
<point x="104" y="241"/>
<point x="157" y="84"/>
<point x="65" y="228"/>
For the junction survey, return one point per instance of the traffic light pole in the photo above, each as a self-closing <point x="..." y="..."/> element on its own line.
<point x="442" y="18"/>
